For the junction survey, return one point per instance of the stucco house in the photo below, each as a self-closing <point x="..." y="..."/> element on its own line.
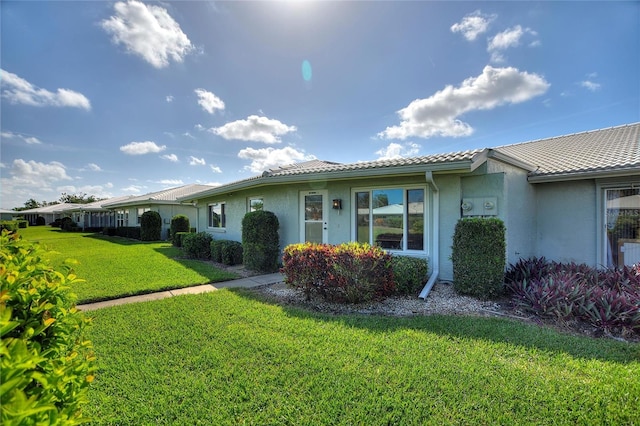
<point x="572" y="198"/>
<point x="49" y="213"/>
<point x="129" y="210"/>
<point x="94" y="215"/>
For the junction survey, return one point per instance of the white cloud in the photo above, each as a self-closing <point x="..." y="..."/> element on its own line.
<point x="506" y="39"/>
<point x="19" y="91"/>
<point x="194" y="161"/>
<point x="439" y="114"/>
<point x="255" y="129"/>
<point x="30" y="179"/>
<point x="169" y="99"/>
<point x="269" y="158"/>
<point x="29" y="140"/>
<point x="473" y="24"/>
<point x="215" y="169"/>
<point x="171" y="157"/>
<point x="590" y="85"/>
<point x="149" y="32"/>
<point x="140" y="148"/>
<point x="208" y="101"/>
<point x="91" y="167"/>
<point x="396" y="150"/>
<point x="200" y="127"/>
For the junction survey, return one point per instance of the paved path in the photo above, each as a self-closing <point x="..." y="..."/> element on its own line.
<point x="255" y="281"/>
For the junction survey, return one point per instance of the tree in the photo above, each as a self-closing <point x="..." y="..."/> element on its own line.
<point x="80" y="198"/>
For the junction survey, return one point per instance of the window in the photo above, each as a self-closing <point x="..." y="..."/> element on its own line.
<point x="141" y="211"/>
<point x="122" y="218"/>
<point x="255" y="204"/>
<point x="217" y="215"/>
<point x="623" y="226"/>
<point x="391" y="218"/>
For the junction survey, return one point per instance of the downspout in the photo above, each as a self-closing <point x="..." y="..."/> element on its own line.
<point x="436" y="236"/>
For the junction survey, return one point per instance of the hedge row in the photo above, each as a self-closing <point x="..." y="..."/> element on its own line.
<point x="13" y="225"/>
<point x="226" y="252"/>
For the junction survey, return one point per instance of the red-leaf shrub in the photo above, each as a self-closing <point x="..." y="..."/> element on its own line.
<point x="608" y="299"/>
<point x="349" y="272"/>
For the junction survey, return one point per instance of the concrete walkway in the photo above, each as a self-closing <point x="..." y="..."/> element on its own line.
<point x="249" y="282"/>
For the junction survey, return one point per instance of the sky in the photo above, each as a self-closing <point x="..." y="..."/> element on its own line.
<point x="119" y="98"/>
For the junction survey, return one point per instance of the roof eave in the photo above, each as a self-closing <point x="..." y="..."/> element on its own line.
<point x="592" y="174"/>
<point x="497" y="155"/>
<point x="461" y="166"/>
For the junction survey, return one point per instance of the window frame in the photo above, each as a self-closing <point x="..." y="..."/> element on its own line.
<point x="405" y="216"/>
<point x="144" y="210"/>
<point x="254" y="198"/>
<point x="223" y="215"/>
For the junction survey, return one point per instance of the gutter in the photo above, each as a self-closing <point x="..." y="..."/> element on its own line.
<point x="436" y="236"/>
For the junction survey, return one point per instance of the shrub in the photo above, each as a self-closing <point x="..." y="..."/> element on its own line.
<point x="179" y="223"/>
<point x="178" y="237"/>
<point x="260" y="241"/>
<point x="150" y="226"/>
<point x="410" y="274"/>
<point x="607" y="299"/>
<point x="197" y="245"/>
<point x="23" y="224"/>
<point x="9" y="225"/>
<point x="67" y="224"/>
<point x="132" y="232"/>
<point x="231" y="253"/>
<point x="46" y="364"/>
<point x="40" y="221"/>
<point x="216" y="250"/>
<point x="350" y="272"/>
<point x="478" y="257"/>
<point x="56" y="223"/>
<point x="109" y="231"/>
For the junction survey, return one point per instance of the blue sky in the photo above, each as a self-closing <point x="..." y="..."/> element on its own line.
<point x="116" y="98"/>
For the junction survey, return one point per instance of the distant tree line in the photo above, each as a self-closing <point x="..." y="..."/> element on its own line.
<point x="79" y="198"/>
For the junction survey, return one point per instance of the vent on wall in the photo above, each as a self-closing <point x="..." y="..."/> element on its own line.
<point x="486" y="206"/>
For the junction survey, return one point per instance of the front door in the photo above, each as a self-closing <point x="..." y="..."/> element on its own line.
<point x="313" y="216"/>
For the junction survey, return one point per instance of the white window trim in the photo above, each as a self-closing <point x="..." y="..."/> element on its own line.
<point x="426" y="217"/>
<point x="217" y="228"/>
<point x="254" y="197"/>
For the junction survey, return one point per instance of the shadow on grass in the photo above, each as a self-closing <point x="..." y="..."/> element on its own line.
<point x="120" y="240"/>
<point x="497" y="330"/>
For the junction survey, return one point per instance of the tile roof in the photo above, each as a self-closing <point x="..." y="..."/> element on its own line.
<point x="53" y="208"/>
<point x="318" y="166"/>
<point x="170" y="195"/>
<point x="611" y="149"/>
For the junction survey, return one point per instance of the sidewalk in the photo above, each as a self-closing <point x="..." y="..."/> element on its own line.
<point x="255" y="281"/>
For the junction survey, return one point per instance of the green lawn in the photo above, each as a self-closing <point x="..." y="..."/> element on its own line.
<point x="115" y="267"/>
<point x="228" y="358"/>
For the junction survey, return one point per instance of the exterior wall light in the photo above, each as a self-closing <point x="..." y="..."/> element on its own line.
<point x="337" y="204"/>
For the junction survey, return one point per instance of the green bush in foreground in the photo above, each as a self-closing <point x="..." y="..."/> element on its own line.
<point x="46" y="364"/>
<point x="410" y="274"/>
<point x="478" y="256"/>
<point x="227" y="252"/>
<point x="260" y="241"/>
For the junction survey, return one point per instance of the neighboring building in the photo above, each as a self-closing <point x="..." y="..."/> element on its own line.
<point x="128" y="211"/>
<point x="572" y="198"/>
<point x="95" y="215"/>
<point x="8" y="214"/>
<point x="50" y="213"/>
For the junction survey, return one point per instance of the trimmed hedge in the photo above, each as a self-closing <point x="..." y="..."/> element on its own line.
<point x="9" y="225"/>
<point x="349" y="272"/>
<point x="226" y="251"/>
<point x="40" y="221"/>
<point x="46" y="365"/>
<point x="150" y="226"/>
<point x="410" y="274"/>
<point x="479" y="257"/>
<point x="260" y="241"/>
<point x="197" y="245"/>
<point x="132" y="232"/>
<point x="179" y="223"/>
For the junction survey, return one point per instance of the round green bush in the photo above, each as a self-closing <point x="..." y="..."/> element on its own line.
<point x="150" y="226"/>
<point x="410" y="274"/>
<point x="197" y="245"/>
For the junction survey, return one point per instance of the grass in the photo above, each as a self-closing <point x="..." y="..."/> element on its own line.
<point x="229" y="358"/>
<point x="114" y="267"/>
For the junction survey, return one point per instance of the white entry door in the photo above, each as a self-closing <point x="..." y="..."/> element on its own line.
<point x="314" y="216"/>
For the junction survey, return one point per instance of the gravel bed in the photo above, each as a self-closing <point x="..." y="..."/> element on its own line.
<point x="441" y="300"/>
